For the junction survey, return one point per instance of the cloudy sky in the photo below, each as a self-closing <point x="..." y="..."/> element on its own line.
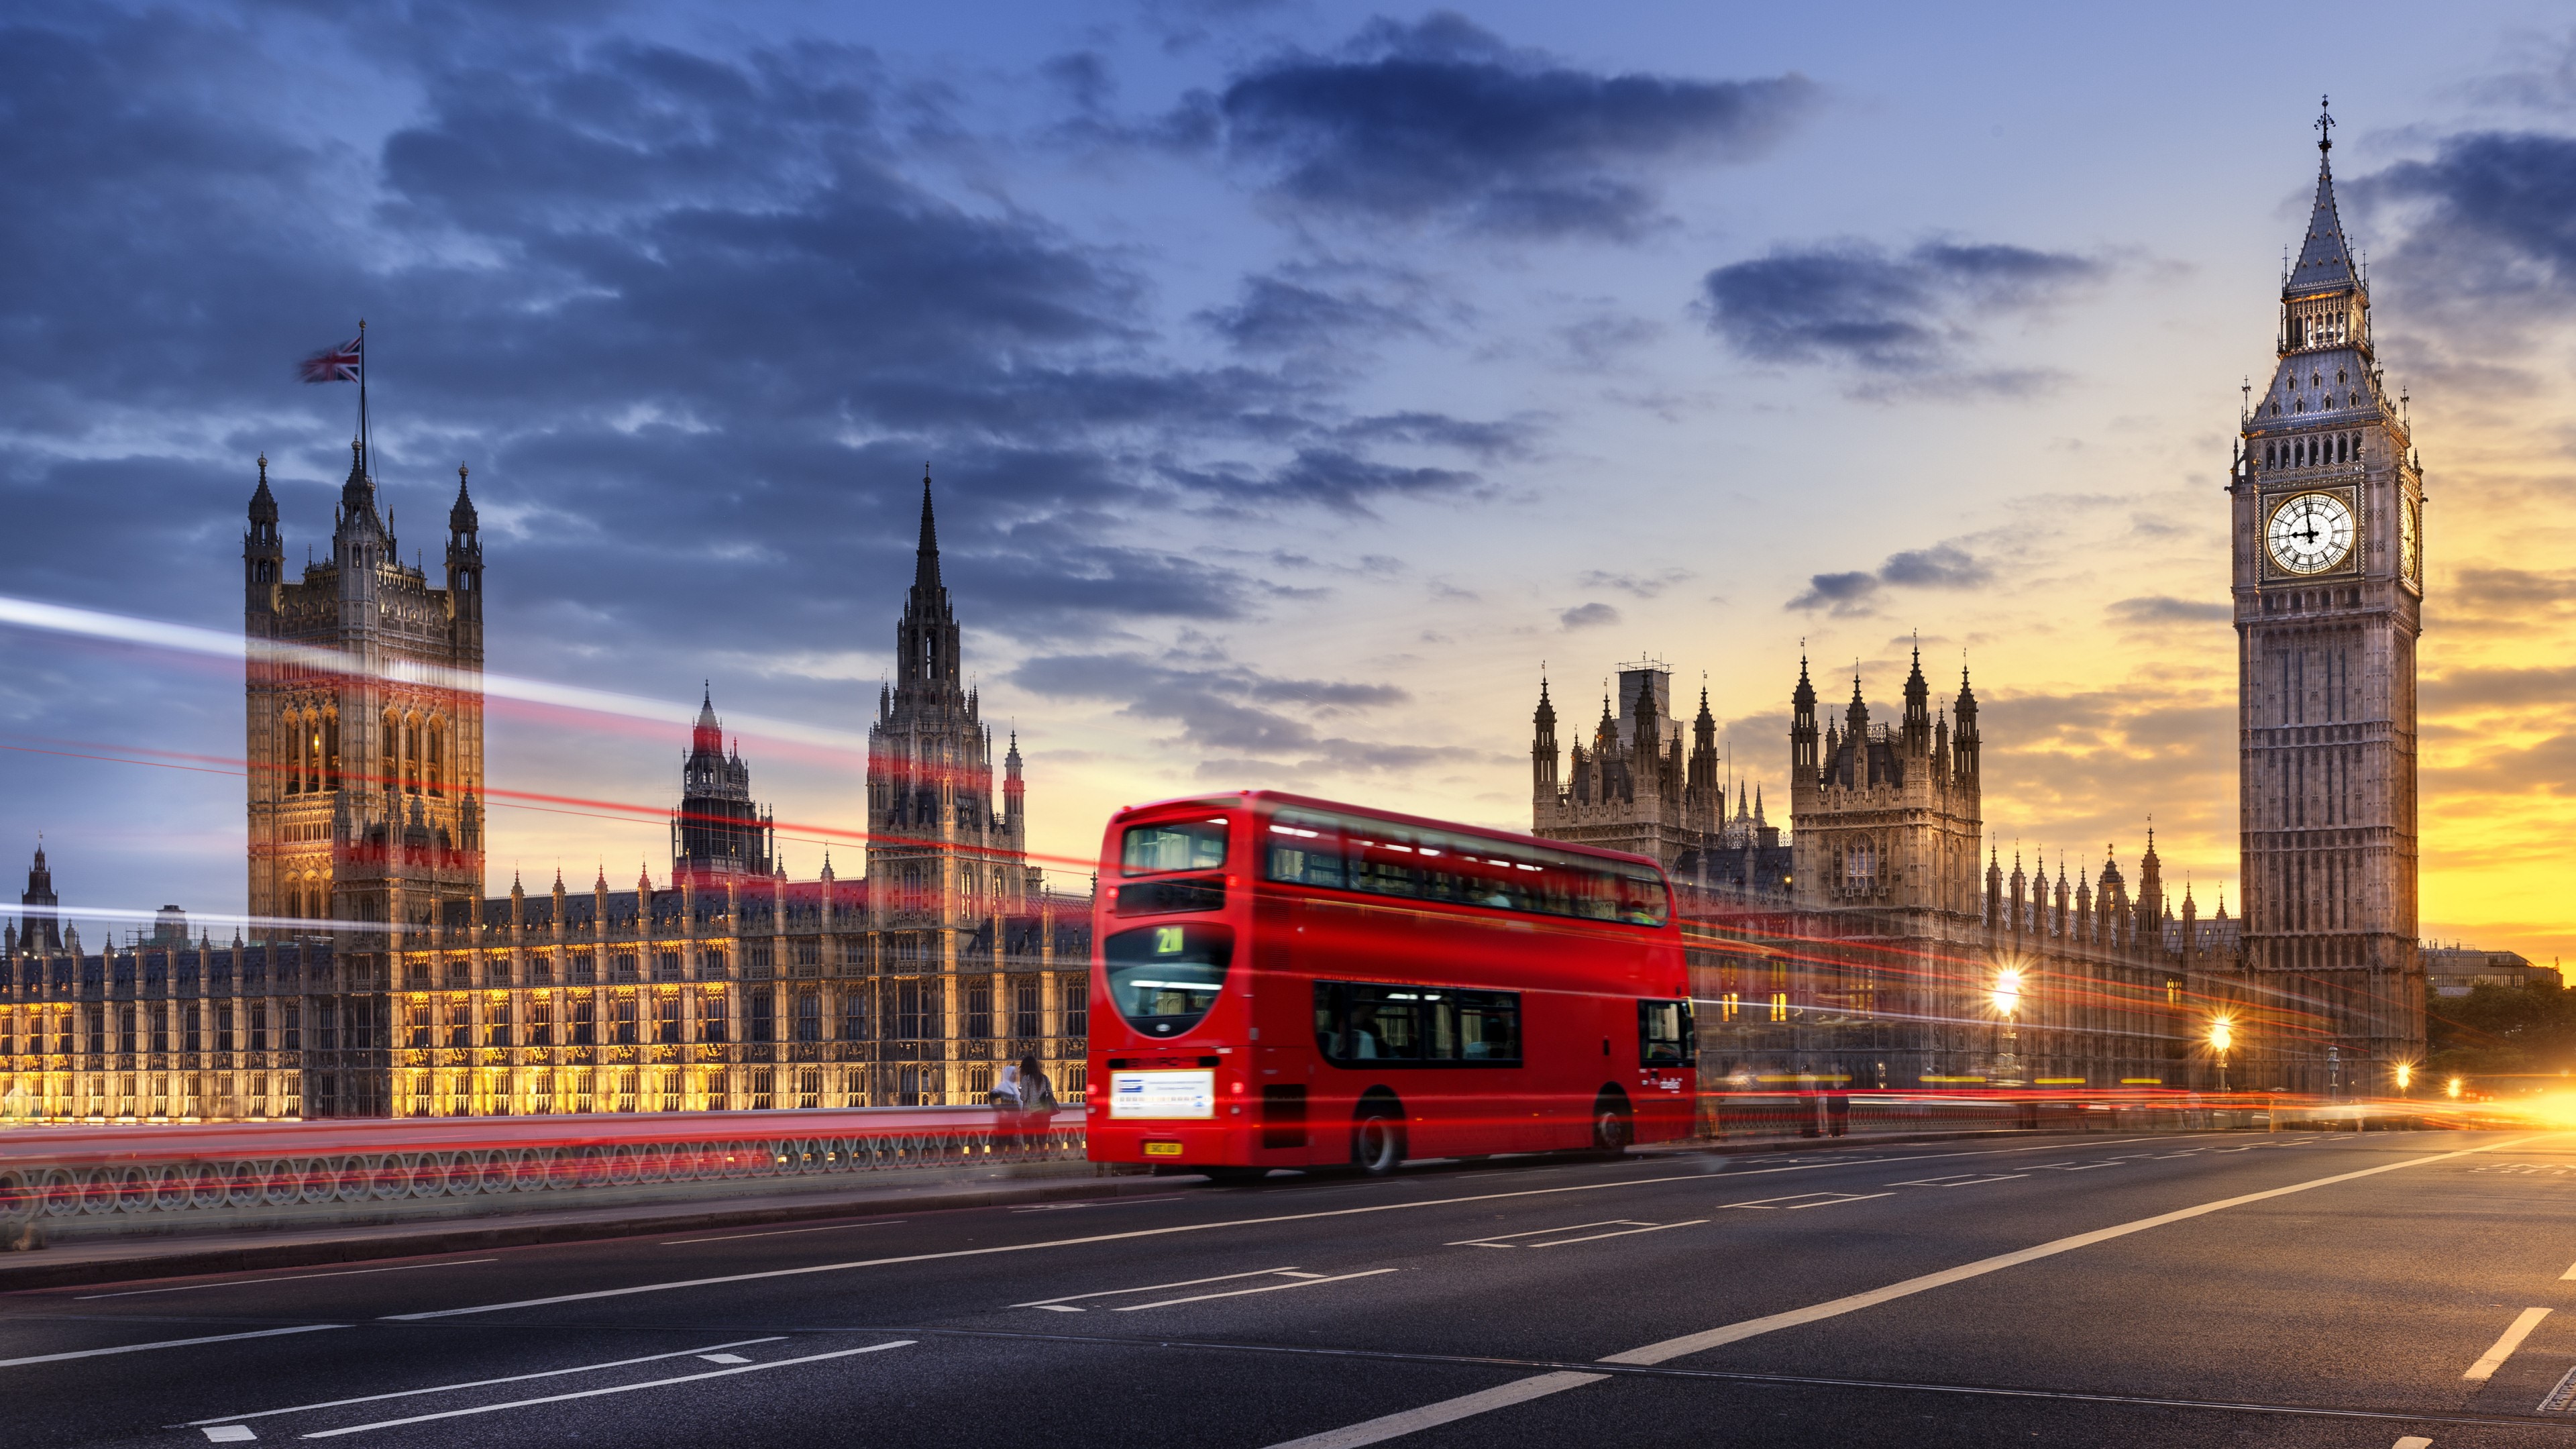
<point x="1300" y="379"/>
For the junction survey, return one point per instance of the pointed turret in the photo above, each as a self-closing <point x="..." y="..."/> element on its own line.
<point x="1803" y="761"/>
<point x="925" y="562"/>
<point x="263" y="504"/>
<point x="926" y="638"/>
<point x="1963" y="743"/>
<point x="42" y="928"/>
<point x="2325" y="258"/>
<point x="263" y="553"/>
<point x="1918" y="709"/>
<point x="707" y="737"/>
<point x="1544" y="757"/>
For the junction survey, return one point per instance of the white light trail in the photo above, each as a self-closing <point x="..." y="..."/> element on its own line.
<point x="39" y="617"/>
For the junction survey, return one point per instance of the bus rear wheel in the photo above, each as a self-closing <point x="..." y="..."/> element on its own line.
<point x="1377" y="1140"/>
<point x="1611" y="1129"/>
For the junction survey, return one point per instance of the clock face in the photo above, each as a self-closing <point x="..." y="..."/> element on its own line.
<point x="2310" y="533"/>
<point x="2410" y="539"/>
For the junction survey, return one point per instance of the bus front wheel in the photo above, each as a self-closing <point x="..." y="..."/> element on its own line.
<point x="1377" y="1140"/>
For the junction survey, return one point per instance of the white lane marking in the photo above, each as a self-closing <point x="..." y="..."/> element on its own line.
<point x="165" y="1343"/>
<point x="1965" y="1179"/>
<point x="1086" y="1241"/>
<point x="2570" y="1275"/>
<point x="480" y="1383"/>
<point x="1244" y="1292"/>
<point x="2521" y="1328"/>
<point x="1447" y="1411"/>
<point x="2413" y="1441"/>
<point x="724" y="1358"/>
<point x="1804" y="1200"/>
<point x="749" y="1368"/>
<point x="786" y="1232"/>
<point x="1397" y="1425"/>
<point x="1596" y="1237"/>
<point x="292" y="1278"/>
<point x="1150" y="1287"/>
<point x="1059" y="1308"/>
<point x="230" y="1433"/>
<point x="1284" y="1273"/>
<point x="1503" y="1240"/>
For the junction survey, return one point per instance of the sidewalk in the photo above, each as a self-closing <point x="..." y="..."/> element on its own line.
<point x="118" y="1261"/>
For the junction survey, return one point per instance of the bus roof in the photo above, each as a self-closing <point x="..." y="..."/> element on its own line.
<point x="1246" y="798"/>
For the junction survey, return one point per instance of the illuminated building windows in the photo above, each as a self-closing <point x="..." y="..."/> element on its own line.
<point x="1779" y="1006"/>
<point x="666" y="1020"/>
<point x="626" y="1090"/>
<point x="1729" y="1006"/>
<point x="809" y="1088"/>
<point x="764" y="1096"/>
<point x="711" y="1017"/>
<point x="624" y="1006"/>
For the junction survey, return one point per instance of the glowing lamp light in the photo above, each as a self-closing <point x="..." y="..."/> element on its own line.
<point x="2405" y="1075"/>
<point x="2222" y="1034"/>
<point x="2452" y="1088"/>
<point x="2007" y="992"/>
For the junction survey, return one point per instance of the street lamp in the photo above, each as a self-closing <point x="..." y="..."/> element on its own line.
<point x="2007" y="992"/>
<point x="2453" y="1089"/>
<point x="2007" y="1000"/>
<point x="2222" y="1037"/>
<point x="2405" y="1077"/>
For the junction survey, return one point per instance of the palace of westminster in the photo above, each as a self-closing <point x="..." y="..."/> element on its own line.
<point x="1877" y="942"/>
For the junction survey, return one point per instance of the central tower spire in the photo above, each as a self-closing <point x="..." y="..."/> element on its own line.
<point x="926" y="639"/>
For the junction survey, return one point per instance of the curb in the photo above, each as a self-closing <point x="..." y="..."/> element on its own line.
<point x="24" y="1277"/>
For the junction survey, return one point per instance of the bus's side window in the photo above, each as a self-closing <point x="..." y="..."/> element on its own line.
<point x="1664" y="1037"/>
<point x="1360" y="1023"/>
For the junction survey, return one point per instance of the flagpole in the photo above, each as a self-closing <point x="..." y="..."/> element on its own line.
<point x="366" y="445"/>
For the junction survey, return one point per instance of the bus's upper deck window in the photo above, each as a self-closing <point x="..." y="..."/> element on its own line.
<point x="1172" y="845"/>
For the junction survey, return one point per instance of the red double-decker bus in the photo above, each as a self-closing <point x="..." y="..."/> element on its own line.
<point x="1286" y="982"/>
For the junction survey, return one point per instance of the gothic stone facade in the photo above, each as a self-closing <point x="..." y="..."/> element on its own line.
<point x="382" y="982"/>
<point x="1872" y="953"/>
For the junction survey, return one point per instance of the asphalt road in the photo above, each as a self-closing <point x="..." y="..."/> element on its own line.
<point x="2169" y="1290"/>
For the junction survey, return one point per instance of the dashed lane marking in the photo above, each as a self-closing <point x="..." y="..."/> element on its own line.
<point x="1625" y="1227"/>
<point x="165" y="1343"/>
<point x="2520" y="1329"/>
<point x="1805" y="1200"/>
<point x="477" y="1383"/>
<point x="749" y="1368"/>
<point x="1302" y="1281"/>
<point x="786" y="1232"/>
<point x="291" y="1278"/>
<point x="1964" y="1179"/>
<point x="1151" y="1288"/>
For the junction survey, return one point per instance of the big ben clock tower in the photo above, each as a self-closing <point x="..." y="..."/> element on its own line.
<point x="2329" y="589"/>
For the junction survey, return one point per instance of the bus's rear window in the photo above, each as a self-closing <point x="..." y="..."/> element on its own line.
<point x="1172" y="845"/>
<point x="1308" y="847"/>
<point x="1163" y="979"/>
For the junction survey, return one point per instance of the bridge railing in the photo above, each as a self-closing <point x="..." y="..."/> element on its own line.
<point x="60" y="1183"/>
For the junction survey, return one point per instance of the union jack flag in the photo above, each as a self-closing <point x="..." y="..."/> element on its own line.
<point x="336" y="364"/>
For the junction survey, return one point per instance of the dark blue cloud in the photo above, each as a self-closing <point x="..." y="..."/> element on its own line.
<point x="1863" y="307"/>
<point x="1441" y="122"/>
<point x="1941" y="566"/>
<point x="2500" y="197"/>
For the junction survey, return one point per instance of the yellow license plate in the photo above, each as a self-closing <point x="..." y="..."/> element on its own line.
<point x="1162" y="1149"/>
